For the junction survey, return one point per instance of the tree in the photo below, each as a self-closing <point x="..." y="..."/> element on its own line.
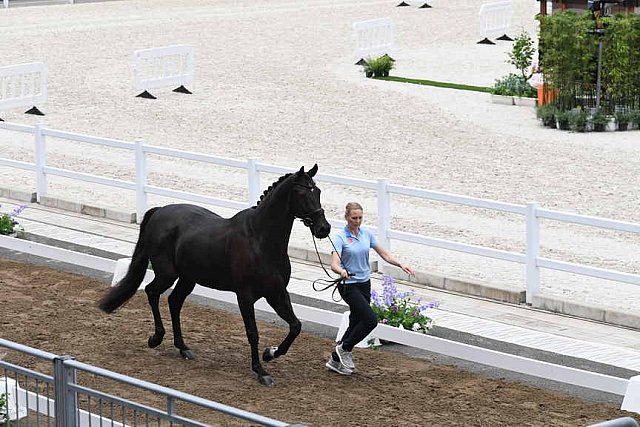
<point x="522" y="53"/>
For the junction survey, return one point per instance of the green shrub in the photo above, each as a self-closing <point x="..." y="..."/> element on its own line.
<point x="634" y="117"/>
<point x="564" y="119"/>
<point x="599" y="121"/>
<point x="379" y="66"/>
<point x="622" y="119"/>
<point x="514" y="85"/>
<point x="547" y="113"/>
<point x="578" y="120"/>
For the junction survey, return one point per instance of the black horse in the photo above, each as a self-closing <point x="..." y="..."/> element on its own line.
<point x="245" y="254"/>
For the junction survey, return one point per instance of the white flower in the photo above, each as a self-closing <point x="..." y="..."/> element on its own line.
<point x="416" y="327"/>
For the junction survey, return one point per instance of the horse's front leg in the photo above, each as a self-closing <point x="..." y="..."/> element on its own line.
<point x="281" y="303"/>
<point x="249" y="317"/>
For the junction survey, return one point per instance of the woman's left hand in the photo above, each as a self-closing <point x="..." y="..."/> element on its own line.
<point x="407" y="269"/>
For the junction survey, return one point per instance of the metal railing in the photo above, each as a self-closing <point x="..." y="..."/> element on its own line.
<point x="531" y="212"/>
<point x="60" y="399"/>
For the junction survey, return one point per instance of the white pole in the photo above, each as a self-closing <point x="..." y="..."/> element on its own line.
<point x="533" y="252"/>
<point x="141" y="181"/>
<point x="41" y="162"/>
<point x="254" y="181"/>
<point x="384" y="213"/>
<point x="6" y="3"/>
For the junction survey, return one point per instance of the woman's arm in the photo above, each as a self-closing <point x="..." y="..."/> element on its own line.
<point x="388" y="257"/>
<point x="336" y="265"/>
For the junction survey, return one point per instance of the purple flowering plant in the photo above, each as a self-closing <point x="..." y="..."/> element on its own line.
<point x="396" y="308"/>
<point x="8" y="221"/>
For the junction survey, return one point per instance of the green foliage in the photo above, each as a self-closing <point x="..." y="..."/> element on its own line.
<point x="8" y="222"/>
<point x="621" y="56"/>
<point x="547" y="113"/>
<point x="568" y="53"/>
<point x="514" y="85"/>
<point x="567" y="49"/>
<point x="4" y="413"/>
<point x="634" y="117"/>
<point x="395" y="308"/>
<point x="578" y="120"/>
<point x="521" y="54"/>
<point x="599" y="118"/>
<point x="623" y="117"/>
<point x="379" y="66"/>
<point x="564" y="119"/>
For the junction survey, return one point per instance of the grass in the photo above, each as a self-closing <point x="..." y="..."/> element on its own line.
<point x="437" y="84"/>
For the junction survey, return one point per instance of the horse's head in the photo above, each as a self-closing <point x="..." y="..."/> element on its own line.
<point x="305" y="201"/>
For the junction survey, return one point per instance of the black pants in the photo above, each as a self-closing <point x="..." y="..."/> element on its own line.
<point x="362" y="319"/>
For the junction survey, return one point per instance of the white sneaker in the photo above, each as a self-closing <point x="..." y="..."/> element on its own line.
<point x="338" y="367"/>
<point x="345" y="357"/>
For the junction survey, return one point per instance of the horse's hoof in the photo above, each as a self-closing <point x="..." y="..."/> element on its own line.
<point x="266" y="380"/>
<point x="269" y="354"/>
<point x="154" y="341"/>
<point x="187" y="354"/>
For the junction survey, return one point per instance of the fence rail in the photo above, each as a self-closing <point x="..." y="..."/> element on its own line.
<point x="532" y="213"/>
<point x="68" y="403"/>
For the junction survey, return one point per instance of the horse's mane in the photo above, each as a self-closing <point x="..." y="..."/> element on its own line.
<point x="272" y="187"/>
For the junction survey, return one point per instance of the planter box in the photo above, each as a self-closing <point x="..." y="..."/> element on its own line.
<point x="502" y="99"/>
<point x="525" y="102"/>
<point x="514" y="100"/>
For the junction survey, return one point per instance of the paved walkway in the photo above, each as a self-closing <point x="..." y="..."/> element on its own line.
<point x="612" y="349"/>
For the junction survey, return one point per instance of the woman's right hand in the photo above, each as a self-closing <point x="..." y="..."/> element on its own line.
<point x="344" y="274"/>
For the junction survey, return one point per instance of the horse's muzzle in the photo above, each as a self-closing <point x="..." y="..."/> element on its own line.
<point x="318" y="224"/>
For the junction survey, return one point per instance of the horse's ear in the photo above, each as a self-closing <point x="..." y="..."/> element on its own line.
<point x="313" y="170"/>
<point x="301" y="170"/>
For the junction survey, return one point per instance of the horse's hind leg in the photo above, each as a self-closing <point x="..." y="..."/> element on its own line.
<point x="281" y="303"/>
<point x="153" y="291"/>
<point x="176" y="300"/>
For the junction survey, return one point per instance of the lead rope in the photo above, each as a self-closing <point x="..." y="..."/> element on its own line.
<point x="327" y="283"/>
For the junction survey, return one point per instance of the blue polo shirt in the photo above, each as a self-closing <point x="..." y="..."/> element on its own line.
<point x="354" y="252"/>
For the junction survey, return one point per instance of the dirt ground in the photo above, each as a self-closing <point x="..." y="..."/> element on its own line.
<point x="56" y="312"/>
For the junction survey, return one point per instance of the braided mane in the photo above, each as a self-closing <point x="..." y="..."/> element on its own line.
<point x="272" y="187"/>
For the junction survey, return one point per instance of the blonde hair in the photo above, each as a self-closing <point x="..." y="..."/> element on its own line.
<point x="352" y="206"/>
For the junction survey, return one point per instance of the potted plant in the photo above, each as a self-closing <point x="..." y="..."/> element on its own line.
<point x="564" y="119"/>
<point x="578" y="120"/>
<point x="8" y="223"/>
<point x="547" y="113"/>
<point x="396" y="308"/>
<point x="599" y="121"/>
<point x="379" y="66"/>
<point x="622" y="120"/>
<point x="634" y="118"/>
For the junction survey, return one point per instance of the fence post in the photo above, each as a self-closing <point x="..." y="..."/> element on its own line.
<point x="41" y="162"/>
<point x="533" y="252"/>
<point x="254" y="181"/>
<point x="6" y="3"/>
<point x="66" y="403"/>
<point x="384" y="213"/>
<point x="141" y="180"/>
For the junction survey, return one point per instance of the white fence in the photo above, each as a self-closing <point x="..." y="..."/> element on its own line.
<point x="531" y="213"/>
<point x="29" y="2"/>
<point x="23" y="85"/>
<point x="495" y="19"/>
<point x="514" y="363"/>
<point x="163" y="67"/>
<point x="373" y="38"/>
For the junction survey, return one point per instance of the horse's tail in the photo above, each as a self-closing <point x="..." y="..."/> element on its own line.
<point x="119" y="294"/>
